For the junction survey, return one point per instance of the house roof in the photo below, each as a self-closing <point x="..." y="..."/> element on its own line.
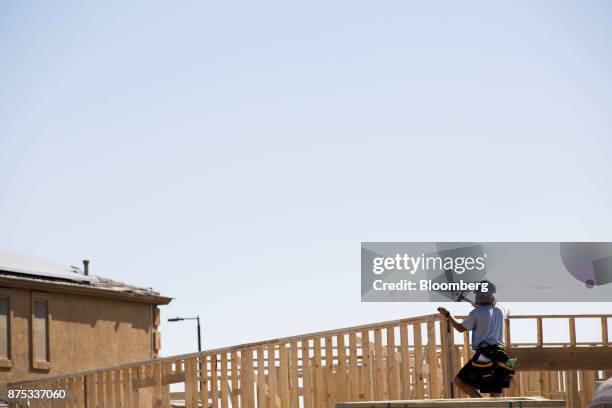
<point x="29" y="272"/>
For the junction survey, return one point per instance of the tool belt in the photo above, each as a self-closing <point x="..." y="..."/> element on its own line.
<point x="495" y="369"/>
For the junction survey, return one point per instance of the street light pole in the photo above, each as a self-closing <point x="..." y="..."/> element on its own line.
<point x="199" y="336"/>
<point x="197" y="318"/>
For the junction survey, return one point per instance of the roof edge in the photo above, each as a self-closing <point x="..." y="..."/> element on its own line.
<point x="61" y="287"/>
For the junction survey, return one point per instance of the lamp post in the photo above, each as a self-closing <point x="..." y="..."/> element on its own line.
<point x="178" y="319"/>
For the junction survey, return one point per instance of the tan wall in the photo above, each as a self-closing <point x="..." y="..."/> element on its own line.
<point x="84" y="333"/>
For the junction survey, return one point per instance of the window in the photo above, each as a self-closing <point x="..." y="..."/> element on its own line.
<point x="5" y="330"/>
<point x="40" y="332"/>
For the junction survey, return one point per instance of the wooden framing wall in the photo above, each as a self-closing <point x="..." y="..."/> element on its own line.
<point x="412" y="358"/>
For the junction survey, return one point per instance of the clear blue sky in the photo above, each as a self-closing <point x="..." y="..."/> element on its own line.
<point x="233" y="155"/>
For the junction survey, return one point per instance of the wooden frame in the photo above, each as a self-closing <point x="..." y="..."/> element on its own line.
<point x="387" y="360"/>
<point x="36" y="363"/>
<point x="8" y="362"/>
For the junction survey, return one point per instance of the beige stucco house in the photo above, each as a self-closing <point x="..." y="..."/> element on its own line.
<point x="56" y="319"/>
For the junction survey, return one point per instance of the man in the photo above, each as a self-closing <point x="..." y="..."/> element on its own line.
<point x="489" y="370"/>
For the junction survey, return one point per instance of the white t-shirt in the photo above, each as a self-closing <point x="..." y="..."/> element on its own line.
<point x="486" y="324"/>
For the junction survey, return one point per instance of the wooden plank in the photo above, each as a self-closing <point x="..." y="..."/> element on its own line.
<point x="100" y="389"/>
<point x="418" y="358"/>
<point x="307" y="375"/>
<point x="353" y="381"/>
<point x="272" y="377"/>
<point x="191" y="383"/>
<point x="392" y="366"/>
<point x="572" y="330"/>
<point x="150" y="380"/>
<point x="342" y="386"/>
<point x="224" y="381"/>
<point x="571" y="384"/>
<point x="108" y="378"/>
<point x="117" y="388"/>
<point x="214" y="381"/>
<point x="204" y="380"/>
<point x="189" y="391"/>
<point x="604" y="331"/>
<point x="447" y="357"/>
<point x="262" y="398"/>
<point x="368" y="366"/>
<point x="234" y="379"/>
<point x="157" y="388"/>
<point x="294" y="375"/>
<point x="284" y="376"/>
<point x="57" y="385"/>
<point x="90" y="390"/>
<point x="379" y="376"/>
<point x="507" y="338"/>
<point x="585" y="393"/>
<point x="547" y="384"/>
<point x="64" y="384"/>
<point x="166" y="371"/>
<point x="561" y="358"/>
<point x="135" y="371"/>
<point x="539" y="332"/>
<point x="328" y="372"/>
<point x="466" y="347"/>
<point x="318" y="379"/>
<point x="70" y="391"/>
<point x="405" y="363"/>
<point x="247" y="382"/>
<point x="79" y="384"/>
<point x="432" y="361"/>
<point x="460" y="403"/>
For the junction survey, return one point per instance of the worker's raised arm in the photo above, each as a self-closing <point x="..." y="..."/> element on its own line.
<point x="458" y="326"/>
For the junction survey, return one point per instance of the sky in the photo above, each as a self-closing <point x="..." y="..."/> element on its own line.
<point x="234" y="155"/>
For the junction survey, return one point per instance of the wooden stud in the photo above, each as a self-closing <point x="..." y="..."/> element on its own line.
<point x="204" y="380"/>
<point x="272" y="377"/>
<point x="507" y="338"/>
<point x="306" y="375"/>
<point x="108" y="378"/>
<point x="224" y="381"/>
<point x="234" y="379"/>
<point x="328" y="372"/>
<point x="418" y="358"/>
<point x="392" y="366"/>
<point x="157" y="387"/>
<point x="379" y="378"/>
<point x="342" y="387"/>
<point x="294" y="375"/>
<point x="283" y="372"/>
<point x="214" y="381"/>
<point x="90" y="390"/>
<point x="432" y="361"/>
<point x="572" y="329"/>
<point x="127" y="389"/>
<point x="368" y="366"/>
<point x="405" y="363"/>
<point x="135" y="371"/>
<point x="319" y="388"/>
<point x="262" y="388"/>
<point x="100" y="386"/>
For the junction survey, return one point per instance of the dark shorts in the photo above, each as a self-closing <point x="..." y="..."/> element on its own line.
<point x="481" y="377"/>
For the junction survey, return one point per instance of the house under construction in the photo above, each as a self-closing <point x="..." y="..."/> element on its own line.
<point x="409" y="359"/>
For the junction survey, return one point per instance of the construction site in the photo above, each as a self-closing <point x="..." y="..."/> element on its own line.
<point x="409" y="362"/>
